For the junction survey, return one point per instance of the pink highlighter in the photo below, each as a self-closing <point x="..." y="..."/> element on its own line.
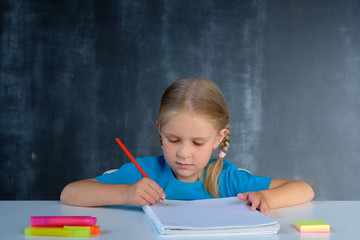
<point x="60" y="221"/>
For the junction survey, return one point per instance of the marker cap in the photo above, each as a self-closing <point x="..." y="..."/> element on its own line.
<point x="93" y="229"/>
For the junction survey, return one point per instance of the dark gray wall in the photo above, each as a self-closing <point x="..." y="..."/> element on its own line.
<point x="77" y="74"/>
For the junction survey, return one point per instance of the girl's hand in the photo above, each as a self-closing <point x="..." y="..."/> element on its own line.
<point x="256" y="200"/>
<point x="145" y="192"/>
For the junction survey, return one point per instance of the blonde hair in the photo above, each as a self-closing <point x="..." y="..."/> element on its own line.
<point x="201" y="96"/>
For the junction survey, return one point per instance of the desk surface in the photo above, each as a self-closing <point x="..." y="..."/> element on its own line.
<point x="127" y="222"/>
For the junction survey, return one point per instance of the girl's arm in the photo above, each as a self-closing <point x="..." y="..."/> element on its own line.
<point x="90" y="192"/>
<point x="281" y="193"/>
<point x="284" y="193"/>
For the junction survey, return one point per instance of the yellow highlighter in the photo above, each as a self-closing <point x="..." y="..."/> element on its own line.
<point x="67" y="231"/>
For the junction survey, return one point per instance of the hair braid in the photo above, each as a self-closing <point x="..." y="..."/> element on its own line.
<point x="211" y="180"/>
<point x="224" y="145"/>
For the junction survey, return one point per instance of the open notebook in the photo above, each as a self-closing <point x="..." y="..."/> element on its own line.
<point x="227" y="216"/>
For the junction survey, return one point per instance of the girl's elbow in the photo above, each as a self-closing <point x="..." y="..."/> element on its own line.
<point x="310" y="194"/>
<point x="66" y="197"/>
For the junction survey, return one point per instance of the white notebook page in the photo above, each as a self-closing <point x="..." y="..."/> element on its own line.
<point x="220" y="213"/>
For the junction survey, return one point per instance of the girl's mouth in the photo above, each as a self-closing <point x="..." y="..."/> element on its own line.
<point x="183" y="165"/>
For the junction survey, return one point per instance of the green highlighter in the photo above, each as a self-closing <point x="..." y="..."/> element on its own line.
<point x="67" y="231"/>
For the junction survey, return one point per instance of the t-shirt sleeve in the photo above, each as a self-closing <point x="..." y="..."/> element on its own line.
<point x="127" y="174"/>
<point x="241" y="181"/>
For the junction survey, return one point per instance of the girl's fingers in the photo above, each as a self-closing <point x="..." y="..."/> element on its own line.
<point x="255" y="200"/>
<point x="158" y="189"/>
<point x="160" y="192"/>
<point x="148" y="199"/>
<point x="153" y="192"/>
<point x="264" y="208"/>
<point x="241" y="196"/>
<point x="255" y="203"/>
<point x="244" y="197"/>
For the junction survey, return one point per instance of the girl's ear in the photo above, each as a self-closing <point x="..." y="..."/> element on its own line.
<point x="158" y="127"/>
<point x="220" y="137"/>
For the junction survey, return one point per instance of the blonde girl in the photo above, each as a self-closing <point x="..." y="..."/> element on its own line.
<point x="193" y="122"/>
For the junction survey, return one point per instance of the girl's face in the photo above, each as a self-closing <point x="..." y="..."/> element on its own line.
<point x="188" y="140"/>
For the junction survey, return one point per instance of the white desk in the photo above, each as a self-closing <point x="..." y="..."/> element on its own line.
<point x="121" y="222"/>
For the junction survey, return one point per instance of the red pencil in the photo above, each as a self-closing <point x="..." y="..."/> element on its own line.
<point x="131" y="157"/>
<point x="134" y="161"/>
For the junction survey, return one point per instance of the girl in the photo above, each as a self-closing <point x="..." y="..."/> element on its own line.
<point x="193" y="120"/>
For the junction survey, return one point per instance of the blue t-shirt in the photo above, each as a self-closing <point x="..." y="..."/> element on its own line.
<point x="232" y="180"/>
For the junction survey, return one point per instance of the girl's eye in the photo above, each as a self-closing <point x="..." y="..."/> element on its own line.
<point x="173" y="140"/>
<point x="198" y="143"/>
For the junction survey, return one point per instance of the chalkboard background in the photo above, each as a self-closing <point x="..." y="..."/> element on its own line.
<point x="77" y="74"/>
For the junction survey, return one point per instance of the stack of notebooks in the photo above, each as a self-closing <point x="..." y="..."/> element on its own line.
<point x="225" y="216"/>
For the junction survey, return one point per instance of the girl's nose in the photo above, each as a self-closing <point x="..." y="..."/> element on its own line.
<point x="184" y="151"/>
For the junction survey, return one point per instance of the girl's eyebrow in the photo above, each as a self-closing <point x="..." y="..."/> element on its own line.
<point x="201" y="138"/>
<point x="169" y="134"/>
<point x="195" y="138"/>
